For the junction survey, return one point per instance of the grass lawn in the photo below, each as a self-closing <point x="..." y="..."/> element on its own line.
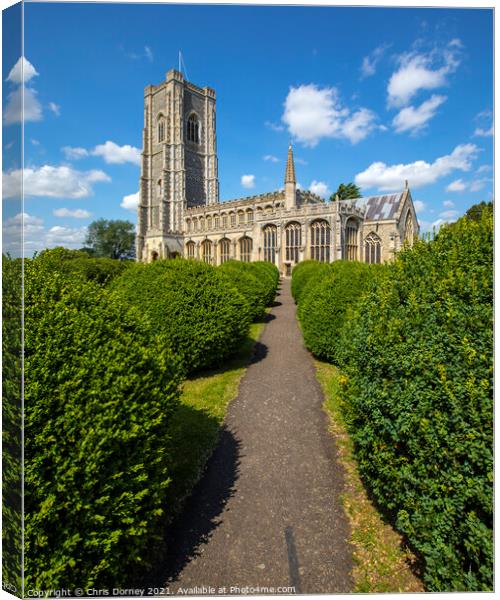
<point x="196" y="424"/>
<point x="382" y="564"/>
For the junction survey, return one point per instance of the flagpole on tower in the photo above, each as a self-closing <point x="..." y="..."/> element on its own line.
<point x="182" y="66"/>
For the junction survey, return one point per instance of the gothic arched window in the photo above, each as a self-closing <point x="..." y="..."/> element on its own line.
<point x="320" y="241"/>
<point x="233" y="219"/>
<point x="225" y="249"/>
<point x="351" y="240"/>
<point x="241" y="217"/>
<point x="409" y="231"/>
<point x="188" y="225"/>
<point x="270" y="235"/>
<point x="209" y="222"/>
<point x="249" y="215"/>
<point x="372" y="249"/>
<point x="161" y="128"/>
<point x="224" y="220"/>
<point x="206" y="251"/>
<point x="193" y="129"/>
<point x="246" y="245"/>
<point x="191" y="249"/>
<point x="293" y="237"/>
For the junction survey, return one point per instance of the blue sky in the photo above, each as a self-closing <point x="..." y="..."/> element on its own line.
<point x="371" y="95"/>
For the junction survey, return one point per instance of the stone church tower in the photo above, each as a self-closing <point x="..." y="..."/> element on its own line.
<point x="179" y="163"/>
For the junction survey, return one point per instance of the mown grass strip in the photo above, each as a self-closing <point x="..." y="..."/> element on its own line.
<point x="196" y="424"/>
<point x="382" y="563"/>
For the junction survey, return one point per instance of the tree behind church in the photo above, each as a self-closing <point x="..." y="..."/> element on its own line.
<point x="346" y="191"/>
<point x="111" y="239"/>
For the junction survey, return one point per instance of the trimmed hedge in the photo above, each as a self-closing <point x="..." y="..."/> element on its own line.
<point x="11" y="422"/>
<point x="78" y="263"/>
<point x="326" y="299"/>
<point x="199" y="315"/>
<point x="253" y="288"/>
<point x="99" y="395"/>
<point x="305" y="273"/>
<point x="419" y="353"/>
<point x="268" y="273"/>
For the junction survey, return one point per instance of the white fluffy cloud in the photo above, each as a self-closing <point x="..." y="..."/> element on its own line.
<point x="448" y="204"/>
<point x="421" y="71"/>
<point x="248" y="181"/>
<point x="271" y="158"/>
<point x="449" y="215"/>
<point x="12" y="231"/>
<point x="478" y="184"/>
<point x="370" y="62"/>
<point x="65" y="236"/>
<point x="414" y="119"/>
<point x="456" y="186"/>
<point x="320" y="188"/>
<point x="419" y="173"/>
<point x="77" y="213"/>
<point x="130" y="202"/>
<point x="480" y="132"/>
<point x="114" y="154"/>
<point x="312" y="113"/>
<point x="484" y="124"/>
<point x="23" y="69"/>
<point x="74" y="153"/>
<point x="53" y="182"/>
<point x="37" y="236"/>
<point x="13" y="112"/>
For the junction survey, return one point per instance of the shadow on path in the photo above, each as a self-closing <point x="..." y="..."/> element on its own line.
<point x="267" y="513"/>
<point x="200" y="517"/>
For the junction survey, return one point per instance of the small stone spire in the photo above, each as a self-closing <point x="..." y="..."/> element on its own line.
<point x="290" y="167"/>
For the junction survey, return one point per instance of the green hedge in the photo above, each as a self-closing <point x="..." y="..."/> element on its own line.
<point x="255" y="289"/>
<point x="419" y="355"/>
<point x="11" y="423"/>
<point x="324" y="311"/>
<point x="197" y="312"/>
<point x="268" y="273"/>
<point x="99" y="395"/>
<point x="307" y="273"/>
<point x="78" y="263"/>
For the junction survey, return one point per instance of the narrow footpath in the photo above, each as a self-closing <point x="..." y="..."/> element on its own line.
<point x="267" y="512"/>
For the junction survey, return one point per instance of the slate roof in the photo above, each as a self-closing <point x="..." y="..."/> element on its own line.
<point x="380" y="208"/>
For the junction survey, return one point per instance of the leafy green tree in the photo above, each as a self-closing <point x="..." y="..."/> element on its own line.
<point x="346" y="191"/>
<point x="474" y="213"/>
<point x="111" y="239"/>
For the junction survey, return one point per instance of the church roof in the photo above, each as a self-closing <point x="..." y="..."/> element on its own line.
<point x="380" y="208"/>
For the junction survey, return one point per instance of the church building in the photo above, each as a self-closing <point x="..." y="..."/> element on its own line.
<point x="180" y="213"/>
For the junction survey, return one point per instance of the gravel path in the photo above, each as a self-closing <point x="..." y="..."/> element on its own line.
<point x="266" y="513"/>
